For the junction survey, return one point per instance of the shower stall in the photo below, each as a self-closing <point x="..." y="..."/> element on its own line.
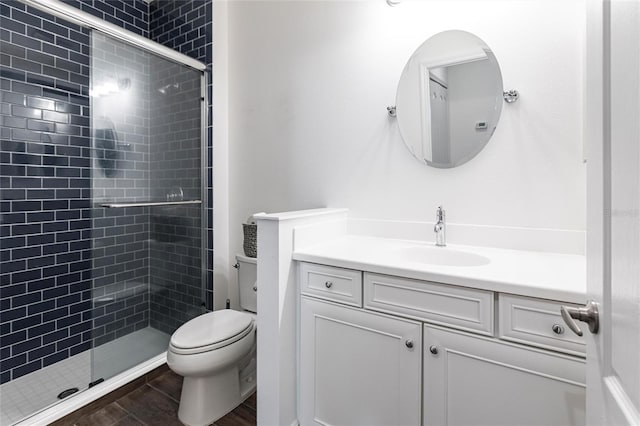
<point x="104" y="196"/>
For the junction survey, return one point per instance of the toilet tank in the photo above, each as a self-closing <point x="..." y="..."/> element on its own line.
<point x="247" y="277"/>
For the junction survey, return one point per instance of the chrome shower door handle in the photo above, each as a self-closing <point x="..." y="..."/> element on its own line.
<point x="588" y="314"/>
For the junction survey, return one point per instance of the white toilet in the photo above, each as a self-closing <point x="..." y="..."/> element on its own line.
<point x="216" y="354"/>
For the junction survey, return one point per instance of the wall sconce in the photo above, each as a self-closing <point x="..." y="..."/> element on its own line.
<point x="393" y="2"/>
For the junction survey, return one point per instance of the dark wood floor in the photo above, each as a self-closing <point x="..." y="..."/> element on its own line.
<point x="156" y="403"/>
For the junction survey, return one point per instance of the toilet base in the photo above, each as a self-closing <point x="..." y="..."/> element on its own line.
<point x="205" y="399"/>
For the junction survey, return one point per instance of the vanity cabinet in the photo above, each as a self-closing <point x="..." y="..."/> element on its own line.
<point x="376" y="349"/>
<point x="474" y="380"/>
<point x="358" y="367"/>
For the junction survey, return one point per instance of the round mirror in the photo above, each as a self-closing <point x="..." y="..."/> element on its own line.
<point x="449" y="99"/>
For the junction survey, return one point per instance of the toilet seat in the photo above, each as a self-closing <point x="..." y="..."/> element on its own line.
<point x="211" y="331"/>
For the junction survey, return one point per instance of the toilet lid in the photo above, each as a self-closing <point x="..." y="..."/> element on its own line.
<point x="210" y="328"/>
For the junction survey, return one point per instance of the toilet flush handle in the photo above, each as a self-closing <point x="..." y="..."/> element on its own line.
<point x="255" y="286"/>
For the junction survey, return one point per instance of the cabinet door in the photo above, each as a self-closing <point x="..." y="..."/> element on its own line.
<point x="473" y="380"/>
<point x="358" y="368"/>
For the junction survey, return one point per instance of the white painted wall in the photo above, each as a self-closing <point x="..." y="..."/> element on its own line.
<point x="308" y="84"/>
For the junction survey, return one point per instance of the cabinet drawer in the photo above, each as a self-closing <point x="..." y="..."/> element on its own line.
<point x="331" y="283"/>
<point x="454" y="306"/>
<point x="532" y="321"/>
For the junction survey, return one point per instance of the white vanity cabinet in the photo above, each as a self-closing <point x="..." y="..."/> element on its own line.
<point x="474" y="380"/>
<point x="376" y="349"/>
<point x="358" y="367"/>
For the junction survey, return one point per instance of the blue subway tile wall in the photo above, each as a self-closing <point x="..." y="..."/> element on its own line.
<point x="46" y="215"/>
<point x="186" y="26"/>
<point x="45" y="179"/>
<point x="132" y="15"/>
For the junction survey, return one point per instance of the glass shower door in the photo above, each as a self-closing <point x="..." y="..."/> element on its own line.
<point x="147" y="202"/>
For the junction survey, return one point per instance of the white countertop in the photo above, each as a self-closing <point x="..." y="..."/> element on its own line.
<point x="552" y="276"/>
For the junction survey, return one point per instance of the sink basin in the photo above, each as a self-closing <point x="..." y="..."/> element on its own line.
<point x="440" y="256"/>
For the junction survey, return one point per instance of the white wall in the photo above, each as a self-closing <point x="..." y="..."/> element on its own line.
<point x="309" y="82"/>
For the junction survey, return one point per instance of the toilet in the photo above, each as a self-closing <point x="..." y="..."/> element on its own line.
<point x="216" y="354"/>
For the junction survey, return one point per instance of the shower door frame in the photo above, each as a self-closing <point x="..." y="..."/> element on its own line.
<point x="86" y="20"/>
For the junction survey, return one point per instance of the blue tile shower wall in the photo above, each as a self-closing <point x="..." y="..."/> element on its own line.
<point x="132" y="15"/>
<point x="186" y="26"/>
<point x="46" y="229"/>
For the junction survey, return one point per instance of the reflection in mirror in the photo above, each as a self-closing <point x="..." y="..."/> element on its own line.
<point x="449" y="99"/>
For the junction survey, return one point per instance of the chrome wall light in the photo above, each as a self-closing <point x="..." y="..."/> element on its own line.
<point x="393" y="2"/>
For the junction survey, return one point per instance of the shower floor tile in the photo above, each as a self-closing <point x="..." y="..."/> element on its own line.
<point x="25" y="395"/>
<point x="33" y="392"/>
<point x="128" y="351"/>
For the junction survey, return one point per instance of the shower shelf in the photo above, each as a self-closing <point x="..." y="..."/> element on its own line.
<point x="150" y="204"/>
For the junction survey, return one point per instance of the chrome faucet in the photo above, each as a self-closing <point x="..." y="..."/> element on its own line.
<point x="440" y="228"/>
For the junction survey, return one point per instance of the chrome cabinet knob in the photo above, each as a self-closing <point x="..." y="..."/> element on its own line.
<point x="433" y="349"/>
<point x="588" y="314"/>
<point x="409" y="343"/>
<point x="328" y="284"/>
<point x="557" y="328"/>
